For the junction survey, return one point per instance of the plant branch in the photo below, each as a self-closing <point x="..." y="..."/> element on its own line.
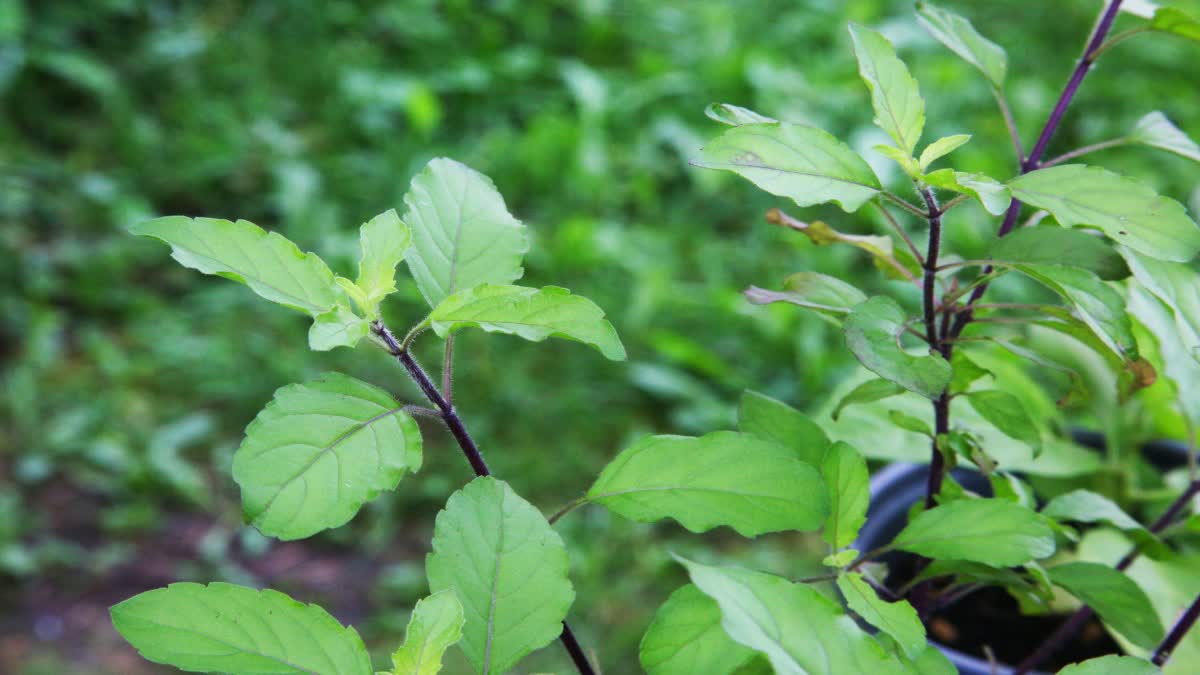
<point x="900" y="230"/>
<point x="1073" y="625"/>
<point x="567" y="508"/>
<point x="1079" y="152"/>
<point x="448" y="369"/>
<point x="904" y="204"/>
<point x="941" y="406"/>
<point x="469" y="448"/>
<point x="1010" y="123"/>
<point x="1178" y="631"/>
<point x="1093" y="49"/>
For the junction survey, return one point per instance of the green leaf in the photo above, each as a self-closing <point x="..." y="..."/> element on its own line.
<point x="1119" y="601"/>
<point x="1111" y="665"/>
<point x="1175" y="22"/>
<point x="799" y="630"/>
<point x="900" y="157"/>
<point x="801" y="163"/>
<point x="319" y="451"/>
<point x="1100" y="307"/>
<point x="764" y="417"/>
<point x="722" y="478"/>
<point x="1005" y="411"/>
<point x="910" y="423"/>
<point x="1177" y="350"/>
<point x="991" y="531"/>
<point x="966" y="371"/>
<point x="508" y="568"/>
<point x="384" y="240"/>
<point x="1126" y="210"/>
<point x="993" y="195"/>
<point x="867" y="392"/>
<point x="1155" y="130"/>
<point x="1178" y="286"/>
<point x="848" y="482"/>
<point x="267" y="262"/>
<point x="462" y="233"/>
<point x="532" y="313"/>
<point x="436" y="624"/>
<point x="961" y="38"/>
<point x="873" y="332"/>
<point x="899" y="109"/>
<point x="841" y="558"/>
<point x="1049" y="245"/>
<point x="233" y="629"/>
<point x="686" y="638"/>
<point x="940" y="148"/>
<point x="339" y="327"/>
<point x="1084" y="506"/>
<point x="831" y="298"/>
<point x="897" y="619"/>
<point x="735" y="116"/>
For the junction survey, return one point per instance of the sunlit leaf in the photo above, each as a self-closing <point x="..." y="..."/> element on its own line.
<point x="830" y="297"/>
<point x="873" y="332"/>
<point x="1156" y="130"/>
<point x="233" y="629"/>
<point x="462" y="233"/>
<point x="801" y="163"/>
<point x="1049" y="245"/>
<point x="961" y="38"/>
<point x="993" y="195"/>
<point x="507" y="567"/>
<point x="1175" y="22"/>
<point x="1119" y="601"/>
<point x="383" y="241"/>
<point x="436" y="624"/>
<point x="1111" y="665"/>
<point x="1100" y="307"/>
<point x="732" y="115"/>
<point x="897" y="619"/>
<point x="339" y="327"/>
<point x="940" y="148"/>
<point x="775" y="421"/>
<point x="319" y="451"/>
<point x="691" y="481"/>
<point x="991" y="531"/>
<point x="532" y="313"/>
<point x="799" y="630"/>
<point x="267" y="262"/>
<point x="686" y="638"/>
<point x="899" y="108"/>
<point x="1128" y="211"/>
<point x="848" y="482"/>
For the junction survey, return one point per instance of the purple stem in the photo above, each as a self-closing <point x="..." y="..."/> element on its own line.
<point x="941" y="407"/>
<point x="450" y="416"/>
<point x="1103" y="26"/>
<point x="1178" y="631"/>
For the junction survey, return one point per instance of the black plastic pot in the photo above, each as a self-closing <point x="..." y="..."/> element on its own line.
<point x="898" y="486"/>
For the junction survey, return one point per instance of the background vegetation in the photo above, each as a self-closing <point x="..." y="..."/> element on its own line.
<point x="127" y="380"/>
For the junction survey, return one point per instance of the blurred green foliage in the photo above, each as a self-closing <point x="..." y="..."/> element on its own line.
<point x="127" y="380"/>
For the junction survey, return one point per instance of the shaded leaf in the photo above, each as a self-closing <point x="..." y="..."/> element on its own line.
<point x="1155" y="130"/>
<point x="1119" y="601"/>
<point x="848" y="482"/>
<point x="1008" y="415"/>
<point x="832" y="298"/>
<point x="909" y="423"/>
<point x="228" y="628"/>
<point x="462" y="233"/>
<point x="991" y="531"/>
<point x="531" y="313"/>
<point x="872" y="333"/>
<point x="722" y="478"/>
<point x="339" y="327"/>
<point x="1101" y="308"/>
<point x="961" y="38"/>
<point x="686" y="638"/>
<point x="436" y="624"/>
<point x="1049" y="245"/>
<point x="899" y="109"/>
<point x="897" y="619"/>
<point x="1084" y="506"/>
<point x="966" y="371"/>
<point x="871" y="390"/>
<point x="775" y="421"/>
<point x="508" y="568"/>
<point x="1126" y="210"/>
<point x="319" y="451"/>
<point x="267" y="262"/>
<point x="1111" y="665"/>
<point x="727" y="113"/>
<point x="799" y="630"/>
<point x="801" y="163"/>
